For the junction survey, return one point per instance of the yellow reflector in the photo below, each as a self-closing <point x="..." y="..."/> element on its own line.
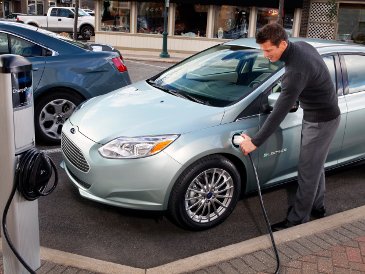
<point x="160" y="146"/>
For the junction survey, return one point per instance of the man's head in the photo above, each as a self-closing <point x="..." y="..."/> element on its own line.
<point x="273" y="40"/>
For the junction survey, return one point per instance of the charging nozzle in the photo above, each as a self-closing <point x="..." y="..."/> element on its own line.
<point x="237" y="139"/>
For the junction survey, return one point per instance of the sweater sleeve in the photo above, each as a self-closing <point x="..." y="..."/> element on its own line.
<point x="291" y="86"/>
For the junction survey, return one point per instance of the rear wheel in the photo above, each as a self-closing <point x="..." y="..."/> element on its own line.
<point x="51" y="112"/>
<point x="205" y="194"/>
<point x="86" y="32"/>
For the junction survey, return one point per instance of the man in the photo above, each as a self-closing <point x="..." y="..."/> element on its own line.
<point x="306" y="79"/>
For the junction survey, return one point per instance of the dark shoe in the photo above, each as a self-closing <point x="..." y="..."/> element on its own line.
<point x="318" y="213"/>
<point x="282" y="225"/>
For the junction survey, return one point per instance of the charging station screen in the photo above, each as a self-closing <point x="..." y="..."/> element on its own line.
<point x="22" y="88"/>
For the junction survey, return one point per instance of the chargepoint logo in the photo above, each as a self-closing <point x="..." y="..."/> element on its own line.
<point x="273" y="153"/>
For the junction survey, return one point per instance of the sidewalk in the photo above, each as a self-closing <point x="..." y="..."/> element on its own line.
<point x="154" y="56"/>
<point x="335" y="244"/>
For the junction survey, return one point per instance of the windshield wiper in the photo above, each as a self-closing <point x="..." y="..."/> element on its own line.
<point x="176" y="93"/>
<point x="170" y="91"/>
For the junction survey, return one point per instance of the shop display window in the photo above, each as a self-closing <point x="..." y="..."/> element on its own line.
<point x="231" y="22"/>
<point x="269" y="15"/>
<point x="115" y="16"/>
<point x="191" y="20"/>
<point x="351" y="23"/>
<point x="150" y="17"/>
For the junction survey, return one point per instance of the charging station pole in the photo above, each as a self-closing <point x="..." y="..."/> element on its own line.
<point x="17" y="136"/>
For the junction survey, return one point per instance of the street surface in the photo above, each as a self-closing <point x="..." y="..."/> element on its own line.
<point x="73" y="224"/>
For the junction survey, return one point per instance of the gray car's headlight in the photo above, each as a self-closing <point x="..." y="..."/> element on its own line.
<point x="136" y="147"/>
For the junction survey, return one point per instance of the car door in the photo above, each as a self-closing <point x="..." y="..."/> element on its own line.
<point x="353" y="66"/>
<point x="33" y="52"/>
<point x="65" y="20"/>
<point x="53" y="20"/>
<point x="278" y="156"/>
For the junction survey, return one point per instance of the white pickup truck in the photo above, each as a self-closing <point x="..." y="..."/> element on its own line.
<point x="61" y="19"/>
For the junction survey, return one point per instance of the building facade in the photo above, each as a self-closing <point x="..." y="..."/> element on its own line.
<point x="195" y="25"/>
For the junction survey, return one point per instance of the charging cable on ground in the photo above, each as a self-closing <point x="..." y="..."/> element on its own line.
<point x="32" y="177"/>
<point x="237" y="139"/>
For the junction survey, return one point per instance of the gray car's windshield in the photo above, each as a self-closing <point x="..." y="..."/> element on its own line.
<point x="219" y="76"/>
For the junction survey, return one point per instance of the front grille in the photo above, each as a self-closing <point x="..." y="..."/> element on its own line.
<point x="74" y="154"/>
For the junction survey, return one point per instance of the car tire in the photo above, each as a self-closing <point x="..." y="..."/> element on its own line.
<point x="86" y="32"/>
<point x="205" y="194"/>
<point x="50" y="113"/>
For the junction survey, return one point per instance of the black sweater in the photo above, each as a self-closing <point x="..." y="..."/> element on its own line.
<point x="306" y="79"/>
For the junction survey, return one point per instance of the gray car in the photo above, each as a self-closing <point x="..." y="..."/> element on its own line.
<point x="65" y="73"/>
<point x="166" y="143"/>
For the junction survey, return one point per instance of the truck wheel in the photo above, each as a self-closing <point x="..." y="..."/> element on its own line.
<point x="86" y="32"/>
<point x="50" y="113"/>
<point x="205" y="194"/>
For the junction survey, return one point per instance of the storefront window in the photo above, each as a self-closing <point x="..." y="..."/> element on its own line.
<point x="115" y="16"/>
<point x="266" y="16"/>
<point x="191" y="20"/>
<point x="269" y="15"/>
<point x="351" y="23"/>
<point x="231" y="22"/>
<point x="150" y="17"/>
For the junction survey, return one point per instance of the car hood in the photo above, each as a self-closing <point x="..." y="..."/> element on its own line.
<point x="141" y="110"/>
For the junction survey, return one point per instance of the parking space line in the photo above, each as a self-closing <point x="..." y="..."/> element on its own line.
<point x="147" y="64"/>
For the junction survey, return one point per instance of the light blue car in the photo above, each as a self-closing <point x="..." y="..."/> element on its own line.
<point x="166" y="143"/>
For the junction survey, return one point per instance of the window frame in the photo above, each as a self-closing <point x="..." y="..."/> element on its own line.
<point x="345" y="76"/>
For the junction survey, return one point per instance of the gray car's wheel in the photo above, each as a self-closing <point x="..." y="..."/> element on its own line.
<point x="50" y="113"/>
<point x="86" y="32"/>
<point x="205" y="194"/>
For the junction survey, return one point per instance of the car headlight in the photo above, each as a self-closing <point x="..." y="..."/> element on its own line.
<point x="136" y="147"/>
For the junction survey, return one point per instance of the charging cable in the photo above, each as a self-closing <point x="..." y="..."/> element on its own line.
<point x="237" y="139"/>
<point x="32" y="177"/>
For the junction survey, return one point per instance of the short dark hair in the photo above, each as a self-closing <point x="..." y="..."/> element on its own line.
<point x="272" y="32"/>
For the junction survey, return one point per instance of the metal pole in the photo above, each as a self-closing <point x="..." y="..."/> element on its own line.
<point x="164" y="53"/>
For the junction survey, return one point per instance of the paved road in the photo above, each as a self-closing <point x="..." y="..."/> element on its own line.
<point x="146" y="239"/>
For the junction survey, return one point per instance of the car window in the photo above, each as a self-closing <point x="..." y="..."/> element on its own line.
<point x="54" y="12"/>
<point x="219" y="76"/>
<point x="64" y="13"/>
<point x="330" y="62"/>
<point x="25" y="48"/>
<point x="355" y="65"/>
<point x="4" y="45"/>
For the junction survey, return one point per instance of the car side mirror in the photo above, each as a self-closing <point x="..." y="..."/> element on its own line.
<point x="273" y="97"/>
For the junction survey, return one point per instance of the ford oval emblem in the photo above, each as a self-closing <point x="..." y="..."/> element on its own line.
<point x="72" y="130"/>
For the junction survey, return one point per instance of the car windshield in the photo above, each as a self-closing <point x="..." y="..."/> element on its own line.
<point x="81" y="12"/>
<point x="219" y="76"/>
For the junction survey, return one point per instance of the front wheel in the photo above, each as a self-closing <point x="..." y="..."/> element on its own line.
<point x="51" y="112"/>
<point x="205" y="194"/>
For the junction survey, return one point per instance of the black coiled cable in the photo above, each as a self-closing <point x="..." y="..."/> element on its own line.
<point x="32" y="177"/>
<point x="266" y="218"/>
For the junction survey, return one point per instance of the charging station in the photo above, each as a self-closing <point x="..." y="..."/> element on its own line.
<point x="17" y="136"/>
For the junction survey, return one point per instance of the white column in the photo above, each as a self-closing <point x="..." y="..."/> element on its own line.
<point x="133" y="23"/>
<point x="171" y="19"/>
<point x="296" y="22"/>
<point x="210" y="22"/>
<point x="252" y="22"/>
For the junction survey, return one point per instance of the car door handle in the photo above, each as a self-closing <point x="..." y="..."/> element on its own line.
<point x="35" y="69"/>
<point x="59" y="19"/>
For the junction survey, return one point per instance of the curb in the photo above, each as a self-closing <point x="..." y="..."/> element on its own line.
<point x="209" y="258"/>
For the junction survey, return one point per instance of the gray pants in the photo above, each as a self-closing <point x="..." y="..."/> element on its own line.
<point x="315" y="143"/>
